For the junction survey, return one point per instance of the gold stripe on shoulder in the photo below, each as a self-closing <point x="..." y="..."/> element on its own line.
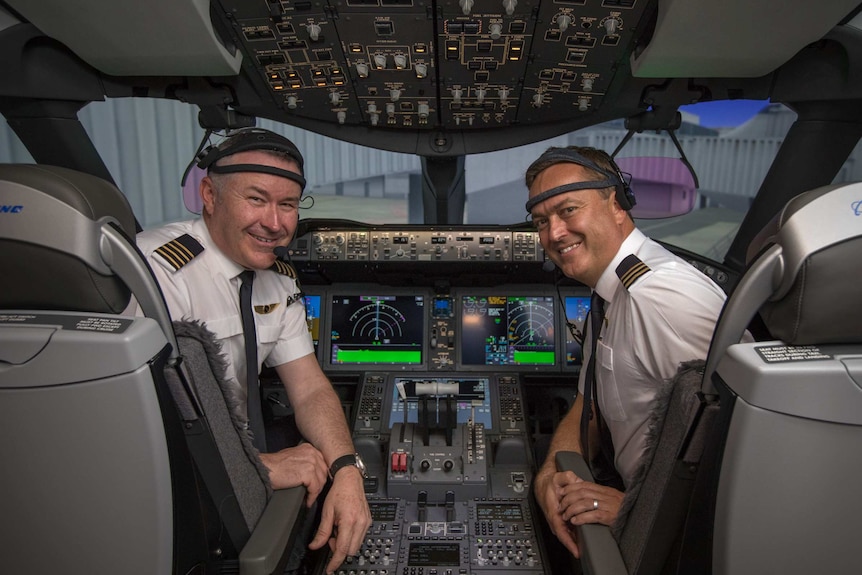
<point x="180" y="251"/>
<point x="630" y="270"/>
<point x="284" y="269"/>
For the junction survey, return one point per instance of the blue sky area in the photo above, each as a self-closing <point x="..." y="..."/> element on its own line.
<point x="725" y="113"/>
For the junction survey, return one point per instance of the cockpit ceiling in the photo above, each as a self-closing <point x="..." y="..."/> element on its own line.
<point x="360" y="69"/>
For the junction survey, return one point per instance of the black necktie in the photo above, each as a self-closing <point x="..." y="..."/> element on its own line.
<point x="597" y="310"/>
<point x="255" y="412"/>
<point x="601" y="465"/>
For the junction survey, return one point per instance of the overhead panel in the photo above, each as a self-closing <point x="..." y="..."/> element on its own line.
<point x="435" y="66"/>
<point x="579" y="44"/>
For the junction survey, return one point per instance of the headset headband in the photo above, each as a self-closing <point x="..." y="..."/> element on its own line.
<point x="613" y="179"/>
<point x="250" y="139"/>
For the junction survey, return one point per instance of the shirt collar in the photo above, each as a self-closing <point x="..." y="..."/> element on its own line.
<point x="220" y="261"/>
<point x="608" y="282"/>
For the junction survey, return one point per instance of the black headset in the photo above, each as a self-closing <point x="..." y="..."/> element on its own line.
<point x="615" y="179"/>
<point x="245" y="140"/>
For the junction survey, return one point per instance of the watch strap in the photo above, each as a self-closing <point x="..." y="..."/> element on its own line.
<point x="343" y="461"/>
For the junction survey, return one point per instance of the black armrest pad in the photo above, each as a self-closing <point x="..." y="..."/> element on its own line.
<point x="274" y="532"/>
<point x="600" y="554"/>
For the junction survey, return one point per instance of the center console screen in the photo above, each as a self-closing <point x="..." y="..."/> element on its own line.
<point x="472" y="398"/>
<point x="508" y="330"/>
<point x="377" y="329"/>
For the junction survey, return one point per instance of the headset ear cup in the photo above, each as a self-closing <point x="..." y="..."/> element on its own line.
<point x="630" y="200"/>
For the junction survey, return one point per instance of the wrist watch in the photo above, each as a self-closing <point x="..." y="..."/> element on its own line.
<point x="346" y="461"/>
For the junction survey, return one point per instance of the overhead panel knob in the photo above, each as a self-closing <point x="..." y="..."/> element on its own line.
<point x="509" y="6"/>
<point x="313" y="32"/>
<point x="496" y="30"/>
<point x="466" y="6"/>
<point x="563" y="21"/>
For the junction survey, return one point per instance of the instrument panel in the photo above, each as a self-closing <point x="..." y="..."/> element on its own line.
<point x="439" y="332"/>
<point x="518" y="328"/>
<point x="435" y="65"/>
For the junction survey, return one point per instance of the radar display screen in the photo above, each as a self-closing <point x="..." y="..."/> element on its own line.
<point x="377" y="329"/>
<point x="507" y="330"/>
<point x="577" y="310"/>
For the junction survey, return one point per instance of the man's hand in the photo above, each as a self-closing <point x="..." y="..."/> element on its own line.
<point x="583" y="502"/>
<point x="345" y="517"/>
<point x="300" y="465"/>
<point x="548" y="486"/>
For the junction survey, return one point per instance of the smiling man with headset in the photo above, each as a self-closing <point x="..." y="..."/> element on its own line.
<point x="650" y="312"/>
<point x="222" y="270"/>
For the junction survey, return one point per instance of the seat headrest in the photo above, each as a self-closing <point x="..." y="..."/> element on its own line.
<point x="40" y="278"/>
<point x="820" y="234"/>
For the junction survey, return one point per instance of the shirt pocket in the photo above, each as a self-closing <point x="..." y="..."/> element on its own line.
<point x="225" y="327"/>
<point x="609" y="393"/>
<point x="268" y="334"/>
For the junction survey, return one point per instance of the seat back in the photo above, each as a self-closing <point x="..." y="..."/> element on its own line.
<point x="119" y="454"/>
<point x="723" y="462"/>
<point x="85" y="484"/>
<point x="786" y="497"/>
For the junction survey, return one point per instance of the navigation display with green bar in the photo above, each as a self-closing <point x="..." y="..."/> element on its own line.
<point x="377" y="329"/>
<point x="508" y="330"/>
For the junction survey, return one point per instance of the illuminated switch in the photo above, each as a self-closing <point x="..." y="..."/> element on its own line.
<point x="452" y="49"/>
<point x="516" y="50"/>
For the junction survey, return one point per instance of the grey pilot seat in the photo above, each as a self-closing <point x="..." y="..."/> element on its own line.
<point x="118" y="452"/>
<point x="755" y="462"/>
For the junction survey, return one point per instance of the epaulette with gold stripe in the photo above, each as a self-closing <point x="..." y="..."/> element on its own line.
<point x="284" y="269"/>
<point x="180" y="251"/>
<point x="630" y="270"/>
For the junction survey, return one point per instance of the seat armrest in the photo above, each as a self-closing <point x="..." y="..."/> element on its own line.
<point x="600" y="554"/>
<point x="274" y="533"/>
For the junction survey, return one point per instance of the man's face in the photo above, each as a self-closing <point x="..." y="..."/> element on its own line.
<point x="252" y="213"/>
<point x="582" y="230"/>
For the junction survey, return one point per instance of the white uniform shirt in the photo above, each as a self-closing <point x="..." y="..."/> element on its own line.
<point x="207" y="289"/>
<point x="665" y="317"/>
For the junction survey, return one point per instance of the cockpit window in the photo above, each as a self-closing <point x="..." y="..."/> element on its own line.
<point x="729" y="144"/>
